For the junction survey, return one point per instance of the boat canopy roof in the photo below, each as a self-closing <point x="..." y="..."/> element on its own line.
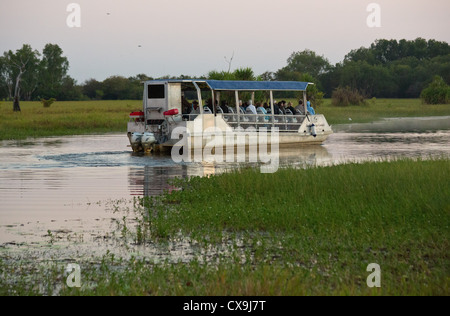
<point x="234" y="85"/>
<point x="257" y="85"/>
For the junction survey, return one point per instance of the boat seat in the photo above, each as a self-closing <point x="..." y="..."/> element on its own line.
<point x="244" y="117"/>
<point x="292" y="119"/>
<point x="251" y="116"/>
<point x="262" y="119"/>
<point x="231" y="117"/>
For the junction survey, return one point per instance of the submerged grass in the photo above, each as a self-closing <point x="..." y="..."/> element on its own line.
<point x="88" y="117"/>
<point x="295" y="232"/>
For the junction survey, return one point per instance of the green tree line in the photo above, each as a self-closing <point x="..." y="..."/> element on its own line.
<point x="388" y="68"/>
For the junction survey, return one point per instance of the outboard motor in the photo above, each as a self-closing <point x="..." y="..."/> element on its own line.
<point x="136" y="141"/>
<point x="148" y="139"/>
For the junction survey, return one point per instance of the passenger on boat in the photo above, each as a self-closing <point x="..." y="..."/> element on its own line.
<point x="224" y="107"/>
<point x="266" y="106"/>
<point x="251" y="108"/>
<point x="185" y="106"/>
<point x="260" y="106"/>
<point x="300" y="109"/>
<point x="310" y="109"/>
<point x="291" y="108"/>
<point x="195" y="108"/>
<point x="262" y="109"/>
<point x="276" y="109"/>
<point x="282" y="108"/>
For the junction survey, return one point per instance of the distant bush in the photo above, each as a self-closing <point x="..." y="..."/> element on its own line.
<point x="47" y="103"/>
<point x="437" y="92"/>
<point x="347" y="96"/>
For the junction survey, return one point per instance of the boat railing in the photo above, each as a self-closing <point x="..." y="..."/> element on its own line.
<point x="287" y="122"/>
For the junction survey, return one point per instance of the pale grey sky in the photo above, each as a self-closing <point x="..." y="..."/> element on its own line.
<point x="192" y="37"/>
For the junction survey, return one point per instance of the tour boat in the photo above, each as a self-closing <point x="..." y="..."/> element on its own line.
<point x="174" y="113"/>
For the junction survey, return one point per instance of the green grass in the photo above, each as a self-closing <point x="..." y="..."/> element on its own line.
<point x="65" y="118"/>
<point x="94" y="117"/>
<point x="295" y="232"/>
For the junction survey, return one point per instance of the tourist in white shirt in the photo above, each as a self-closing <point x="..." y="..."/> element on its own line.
<point x="251" y="108"/>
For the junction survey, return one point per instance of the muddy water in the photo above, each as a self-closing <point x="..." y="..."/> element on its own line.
<point x="59" y="196"/>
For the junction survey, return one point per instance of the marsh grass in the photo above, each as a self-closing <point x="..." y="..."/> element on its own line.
<point x="296" y="232"/>
<point x="98" y="117"/>
<point x="315" y="231"/>
<point x="65" y="118"/>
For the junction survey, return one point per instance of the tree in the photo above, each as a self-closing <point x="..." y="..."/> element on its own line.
<point x="370" y="80"/>
<point x="361" y="54"/>
<point x="307" y="62"/>
<point x="16" y="69"/>
<point x="437" y="92"/>
<point x="385" y="50"/>
<point x="244" y="74"/>
<point x="267" y="76"/>
<point x="117" y="88"/>
<point x="313" y="92"/>
<point x="54" y="67"/>
<point x="3" y="78"/>
<point x="284" y="74"/>
<point x="137" y="85"/>
<point x="91" y="89"/>
<point x="69" y="91"/>
<point x="220" y="75"/>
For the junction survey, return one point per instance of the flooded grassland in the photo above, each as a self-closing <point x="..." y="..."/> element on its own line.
<point x="134" y="229"/>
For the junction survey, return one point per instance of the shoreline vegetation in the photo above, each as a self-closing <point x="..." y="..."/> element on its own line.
<point x="100" y="117"/>
<point x="310" y="231"/>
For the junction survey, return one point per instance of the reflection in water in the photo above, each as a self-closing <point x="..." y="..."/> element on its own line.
<point x="152" y="181"/>
<point x="148" y="181"/>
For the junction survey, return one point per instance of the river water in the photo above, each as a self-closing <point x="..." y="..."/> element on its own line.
<point x="65" y="189"/>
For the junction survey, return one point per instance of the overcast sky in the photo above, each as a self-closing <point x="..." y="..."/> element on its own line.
<point x="192" y="37"/>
